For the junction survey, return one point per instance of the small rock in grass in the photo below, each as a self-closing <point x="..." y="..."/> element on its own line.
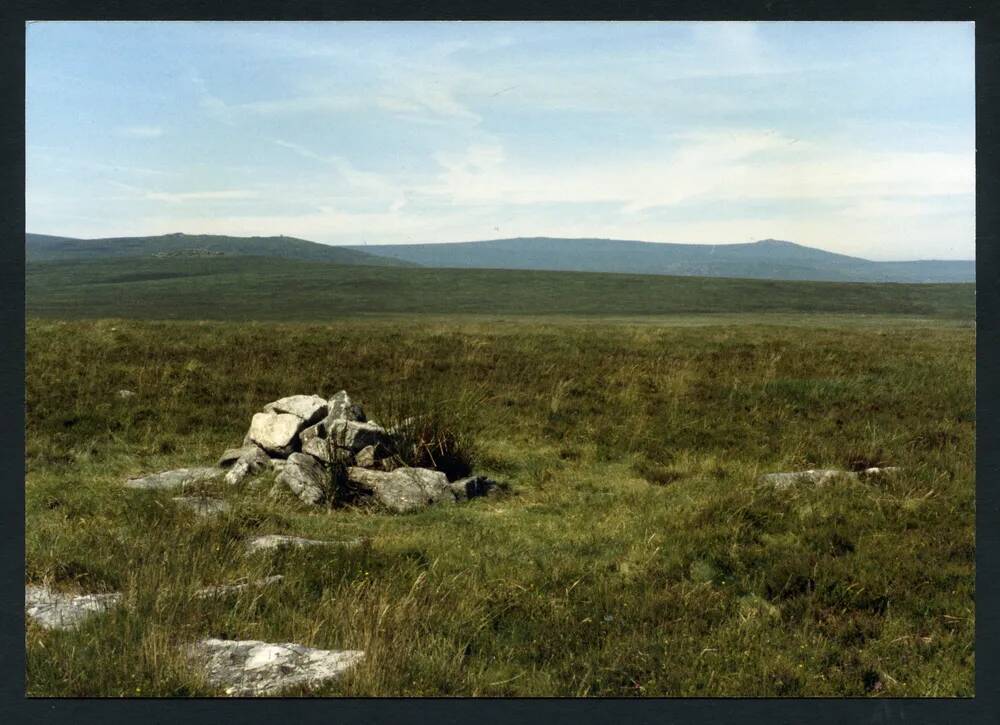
<point x="228" y="589"/>
<point x="308" y="408"/>
<point x="56" y="610"/>
<point x="250" y="667"/>
<point x="203" y="505"/>
<point x="279" y="541"/>
<point x="404" y="489"/>
<point x="275" y="432"/>
<point x="824" y="476"/>
<point x="471" y="487"/>
<point x="818" y="477"/>
<point x="306" y="477"/>
<point x="176" y="479"/>
<point x="125" y="394"/>
<point x="879" y="472"/>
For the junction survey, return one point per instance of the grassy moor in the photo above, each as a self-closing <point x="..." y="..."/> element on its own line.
<point x="522" y="359"/>
<point x="267" y="288"/>
<point x="633" y="551"/>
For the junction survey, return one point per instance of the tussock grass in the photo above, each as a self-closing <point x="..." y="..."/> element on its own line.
<point x="635" y="553"/>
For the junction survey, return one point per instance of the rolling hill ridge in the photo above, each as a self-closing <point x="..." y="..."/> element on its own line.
<point x="46" y="248"/>
<point x="766" y="259"/>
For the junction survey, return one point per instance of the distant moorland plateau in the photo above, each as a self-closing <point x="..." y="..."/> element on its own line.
<point x="765" y="259"/>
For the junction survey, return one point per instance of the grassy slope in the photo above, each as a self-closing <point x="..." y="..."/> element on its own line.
<point x="275" y="289"/>
<point x="634" y="556"/>
<point x="41" y="247"/>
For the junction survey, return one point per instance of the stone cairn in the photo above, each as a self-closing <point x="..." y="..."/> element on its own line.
<point x="318" y="446"/>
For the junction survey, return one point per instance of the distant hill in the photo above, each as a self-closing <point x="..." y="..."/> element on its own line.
<point x="265" y="288"/>
<point x="767" y="259"/>
<point x="42" y="247"/>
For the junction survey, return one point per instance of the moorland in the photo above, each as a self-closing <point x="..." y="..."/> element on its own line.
<point x="633" y="551"/>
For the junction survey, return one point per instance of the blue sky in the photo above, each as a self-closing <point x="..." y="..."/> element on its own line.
<point x="853" y="137"/>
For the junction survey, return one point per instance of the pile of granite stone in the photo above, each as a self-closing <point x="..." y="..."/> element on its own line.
<point x="319" y="446"/>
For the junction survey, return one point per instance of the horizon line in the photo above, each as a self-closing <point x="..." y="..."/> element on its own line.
<point x="364" y="244"/>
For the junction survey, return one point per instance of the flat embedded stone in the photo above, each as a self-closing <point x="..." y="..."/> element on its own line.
<point x="251" y="667"/>
<point x="280" y="541"/>
<point x="58" y="610"/>
<point x="203" y="505"/>
<point x="178" y="478"/>
<point x="816" y="477"/>
<point x="471" y="487"/>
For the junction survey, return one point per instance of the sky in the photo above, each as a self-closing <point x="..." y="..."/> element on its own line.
<point x="857" y="138"/>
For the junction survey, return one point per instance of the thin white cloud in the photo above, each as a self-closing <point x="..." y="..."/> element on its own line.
<point x="376" y="186"/>
<point x="184" y="196"/>
<point x="142" y="131"/>
<point x="137" y="193"/>
<point x="733" y="165"/>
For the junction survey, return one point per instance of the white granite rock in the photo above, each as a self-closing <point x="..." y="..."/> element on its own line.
<point x="179" y="478"/>
<point x="279" y="541"/>
<point x="306" y="477"/>
<point x="404" y="489"/>
<point x="252" y="462"/>
<point x="57" y="610"/>
<point x="308" y="408"/>
<point x="275" y="432"/>
<point x="251" y="667"/>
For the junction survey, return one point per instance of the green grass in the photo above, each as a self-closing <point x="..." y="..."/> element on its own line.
<point x="258" y="288"/>
<point x="634" y="553"/>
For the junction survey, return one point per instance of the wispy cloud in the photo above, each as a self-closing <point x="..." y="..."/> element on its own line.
<point x="376" y="186"/>
<point x="142" y="131"/>
<point x="185" y="196"/>
<point x="138" y="193"/>
<point x="732" y="165"/>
